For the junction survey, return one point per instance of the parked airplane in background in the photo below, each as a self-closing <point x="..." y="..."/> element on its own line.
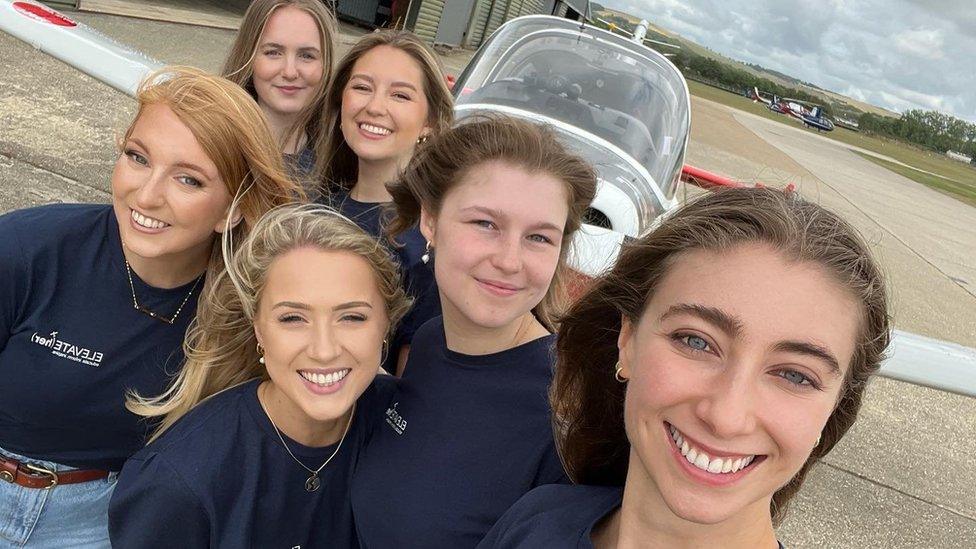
<point x="620" y="104"/>
<point x="763" y="97"/>
<point x="809" y="113"/>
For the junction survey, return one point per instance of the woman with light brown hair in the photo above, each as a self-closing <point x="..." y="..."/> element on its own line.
<point x="262" y="428"/>
<point x="698" y="381"/>
<point x="498" y="201"/>
<point x="283" y="57"/>
<point x="387" y="98"/>
<point x="96" y="299"/>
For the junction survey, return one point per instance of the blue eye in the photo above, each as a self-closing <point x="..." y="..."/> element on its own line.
<point x="541" y="239"/>
<point x="696" y="343"/>
<point x="136" y="157"/>
<point x="191" y="181"/>
<point x="483" y="223"/>
<point x="796" y="378"/>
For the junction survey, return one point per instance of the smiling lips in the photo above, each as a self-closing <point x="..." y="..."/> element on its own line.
<point x="147" y="222"/>
<point x="497" y="288"/>
<point x="290" y="90"/>
<point x="374" y="130"/>
<point x="717" y="465"/>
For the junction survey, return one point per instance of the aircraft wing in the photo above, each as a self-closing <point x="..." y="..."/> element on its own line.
<point x="76" y="44"/>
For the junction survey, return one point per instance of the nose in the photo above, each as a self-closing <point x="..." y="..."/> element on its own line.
<point x="728" y="406"/>
<point x="508" y="256"/>
<point x="152" y="191"/>
<point x="290" y="70"/>
<point x="377" y="104"/>
<point x="324" y="346"/>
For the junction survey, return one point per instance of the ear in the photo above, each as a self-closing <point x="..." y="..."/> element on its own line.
<point x="624" y="347"/>
<point x="257" y="332"/>
<point x="428" y="224"/>
<point x="222" y="224"/>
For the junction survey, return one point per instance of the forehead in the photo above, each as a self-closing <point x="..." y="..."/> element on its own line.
<point x="321" y="278"/>
<point x="168" y="139"/>
<point x="386" y="63"/>
<point x="290" y="25"/>
<point x="774" y="298"/>
<point x="520" y="194"/>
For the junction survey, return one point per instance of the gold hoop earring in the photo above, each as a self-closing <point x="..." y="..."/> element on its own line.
<point x="616" y="374"/>
<point x="260" y="350"/>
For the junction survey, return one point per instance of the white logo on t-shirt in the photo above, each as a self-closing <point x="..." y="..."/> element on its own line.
<point x="395" y="420"/>
<point x="63" y="349"/>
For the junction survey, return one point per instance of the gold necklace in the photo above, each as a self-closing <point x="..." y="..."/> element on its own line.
<point x="312" y="483"/>
<point x="146" y="310"/>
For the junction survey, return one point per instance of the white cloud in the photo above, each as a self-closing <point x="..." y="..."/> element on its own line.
<point x="897" y="54"/>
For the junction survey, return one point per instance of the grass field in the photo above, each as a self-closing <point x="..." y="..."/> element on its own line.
<point x="951" y="177"/>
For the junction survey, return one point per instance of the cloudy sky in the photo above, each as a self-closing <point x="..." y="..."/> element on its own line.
<point x="897" y="54"/>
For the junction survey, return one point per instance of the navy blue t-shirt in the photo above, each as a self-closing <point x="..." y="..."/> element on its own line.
<point x="560" y="516"/>
<point x="464" y="438"/>
<point x="557" y="515"/>
<point x="418" y="277"/>
<point x="71" y="343"/>
<point x="220" y="477"/>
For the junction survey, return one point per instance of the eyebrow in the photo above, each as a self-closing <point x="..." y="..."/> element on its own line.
<point x="305" y="307"/>
<point x="187" y="165"/>
<point x="812" y="350"/>
<point x="396" y="84"/>
<point x="498" y="214"/>
<point x="717" y="317"/>
<point x="282" y="46"/>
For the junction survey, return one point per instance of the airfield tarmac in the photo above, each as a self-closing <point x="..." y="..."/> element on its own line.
<point x="902" y="478"/>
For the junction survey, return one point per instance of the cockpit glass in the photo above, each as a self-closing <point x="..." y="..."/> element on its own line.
<point x="615" y="92"/>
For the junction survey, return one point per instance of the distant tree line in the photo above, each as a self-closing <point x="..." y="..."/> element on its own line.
<point x="931" y="129"/>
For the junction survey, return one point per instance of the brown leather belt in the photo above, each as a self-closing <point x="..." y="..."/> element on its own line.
<point x="32" y="476"/>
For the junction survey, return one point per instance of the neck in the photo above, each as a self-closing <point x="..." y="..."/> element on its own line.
<point x="168" y="271"/>
<point x="645" y="520"/>
<point x="294" y="423"/>
<point x="279" y="124"/>
<point x="468" y="338"/>
<point x="372" y="179"/>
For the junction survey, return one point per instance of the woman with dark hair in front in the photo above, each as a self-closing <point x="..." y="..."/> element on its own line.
<point x="468" y="431"/>
<point x="387" y="98"/>
<point x="699" y="380"/>
<point x="96" y="298"/>
<point x="262" y="428"/>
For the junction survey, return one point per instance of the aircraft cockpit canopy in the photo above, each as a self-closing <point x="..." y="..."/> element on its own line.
<point x="625" y="105"/>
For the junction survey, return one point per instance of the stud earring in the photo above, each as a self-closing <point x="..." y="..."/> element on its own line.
<point x="616" y="374"/>
<point x="426" y="257"/>
<point x="260" y="354"/>
<point x="422" y="139"/>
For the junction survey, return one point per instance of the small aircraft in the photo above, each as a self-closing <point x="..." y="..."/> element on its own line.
<point x="621" y="105"/>
<point x="760" y="96"/>
<point x="809" y="113"/>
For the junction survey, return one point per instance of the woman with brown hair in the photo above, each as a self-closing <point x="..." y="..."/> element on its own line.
<point x="283" y="57"/>
<point x="96" y="298"/>
<point x="468" y="432"/>
<point x="262" y="427"/>
<point x="387" y="98"/>
<point x="699" y="380"/>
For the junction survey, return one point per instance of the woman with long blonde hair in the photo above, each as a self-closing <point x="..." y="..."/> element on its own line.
<point x="387" y="98"/>
<point x="283" y="57"/>
<point x="262" y="428"/>
<point x="96" y="299"/>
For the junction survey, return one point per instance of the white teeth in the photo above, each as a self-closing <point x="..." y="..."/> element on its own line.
<point x="700" y="459"/>
<point x="324" y="379"/>
<point x="147" y="222"/>
<point x="375" y="129"/>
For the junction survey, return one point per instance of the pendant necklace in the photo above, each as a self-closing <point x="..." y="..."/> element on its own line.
<point x="313" y="482"/>
<point x="150" y="312"/>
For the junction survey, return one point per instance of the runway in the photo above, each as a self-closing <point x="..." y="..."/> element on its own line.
<point x="903" y="477"/>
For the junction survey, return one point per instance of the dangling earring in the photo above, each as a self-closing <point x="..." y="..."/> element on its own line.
<point x="422" y="139"/>
<point x="616" y="374"/>
<point x="426" y="257"/>
<point x="384" y="351"/>
<point x="260" y="354"/>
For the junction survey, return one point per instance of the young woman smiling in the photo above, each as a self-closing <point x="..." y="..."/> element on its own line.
<point x="283" y="57"/>
<point x="388" y="97"/>
<point x="689" y="405"/>
<point x="469" y="429"/>
<point x="96" y="298"/>
<point x="262" y="428"/>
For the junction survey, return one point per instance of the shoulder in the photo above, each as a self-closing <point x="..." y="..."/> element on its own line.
<point x="552" y="515"/>
<point x="204" y="430"/>
<point x="54" y="218"/>
<point x="430" y="333"/>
